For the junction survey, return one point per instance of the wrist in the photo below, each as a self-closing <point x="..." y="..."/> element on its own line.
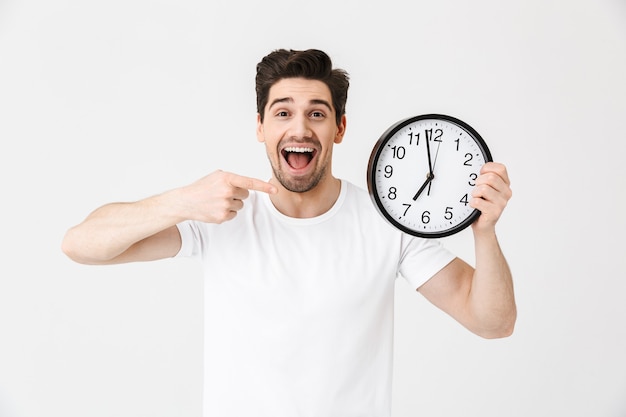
<point x="483" y="232"/>
<point x="172" y="206"/>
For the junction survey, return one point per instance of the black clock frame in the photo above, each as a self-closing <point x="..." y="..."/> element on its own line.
<point x="373" y="161"/>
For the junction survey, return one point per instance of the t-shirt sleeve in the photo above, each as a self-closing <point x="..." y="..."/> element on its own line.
<point x="190" y="239"/>
<point x="422" y="259"/>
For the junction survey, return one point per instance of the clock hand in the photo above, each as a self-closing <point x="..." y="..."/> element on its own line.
<point x="436" y="155"/>
<point x="430" y="164"/>
<point x="432" y="167"/>
<point x="429" y="178"/>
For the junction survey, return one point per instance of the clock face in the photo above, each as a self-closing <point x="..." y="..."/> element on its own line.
<point x="422" y="172"/>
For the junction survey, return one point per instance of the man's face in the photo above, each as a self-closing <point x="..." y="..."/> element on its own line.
<point x="299" y="131"/>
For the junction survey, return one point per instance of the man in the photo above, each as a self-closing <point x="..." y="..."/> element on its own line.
<point x="300" y="270"/>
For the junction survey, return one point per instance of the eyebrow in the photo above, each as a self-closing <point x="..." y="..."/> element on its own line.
<point x="290" y="100"/>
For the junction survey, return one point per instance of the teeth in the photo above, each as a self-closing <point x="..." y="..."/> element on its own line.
<point x="301" y="150"/>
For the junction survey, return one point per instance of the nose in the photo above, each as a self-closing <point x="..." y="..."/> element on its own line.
<point x="300" y="128"/>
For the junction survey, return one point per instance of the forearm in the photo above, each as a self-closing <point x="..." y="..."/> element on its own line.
<point x="112" y="229"/>
<point x="491" y="297"/>
<point x="145" y="230"/>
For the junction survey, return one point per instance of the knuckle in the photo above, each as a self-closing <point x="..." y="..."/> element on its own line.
<point x="224" y="216"/>
<point x="479" y="190"/>
<point x="489" y="176"/>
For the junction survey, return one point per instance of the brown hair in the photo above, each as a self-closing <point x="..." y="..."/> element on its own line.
<point x="311" y="64"/>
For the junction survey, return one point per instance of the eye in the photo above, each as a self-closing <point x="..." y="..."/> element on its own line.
<point x="317" y="115"/>
<point x="282" y="113"/>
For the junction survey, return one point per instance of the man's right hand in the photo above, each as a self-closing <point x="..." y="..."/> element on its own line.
<point x="218" y="197"/>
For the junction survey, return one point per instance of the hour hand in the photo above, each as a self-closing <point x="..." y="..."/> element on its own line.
<point x="429" y="178"/>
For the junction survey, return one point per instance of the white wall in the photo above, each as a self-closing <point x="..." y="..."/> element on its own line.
<point x="118" y="100"/>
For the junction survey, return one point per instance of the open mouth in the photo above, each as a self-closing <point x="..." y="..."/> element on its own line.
<point x="298" y="157"/>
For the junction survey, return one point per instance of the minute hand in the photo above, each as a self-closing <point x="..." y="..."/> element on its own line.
<point x="432" y="166"/>
<point x="430" y="163"/>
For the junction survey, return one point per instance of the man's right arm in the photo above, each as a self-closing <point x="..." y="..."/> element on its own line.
<point x="125" y="232"/>
<point x="146" y="230"/>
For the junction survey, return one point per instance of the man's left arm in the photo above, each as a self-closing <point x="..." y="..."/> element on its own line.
<point x="480" y="298"/>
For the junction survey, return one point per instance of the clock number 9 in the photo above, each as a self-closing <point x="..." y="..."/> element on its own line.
<point x="389" y="171"/>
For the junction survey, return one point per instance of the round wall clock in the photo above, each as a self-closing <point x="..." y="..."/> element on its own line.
<point x="421" y="174"/>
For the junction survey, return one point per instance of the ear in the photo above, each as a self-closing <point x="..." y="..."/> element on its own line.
<point x="260" y="134"/>
<point x="341" y="130"/>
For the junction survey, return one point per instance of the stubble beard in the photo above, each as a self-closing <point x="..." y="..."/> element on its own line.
<point x="299" y="184"/>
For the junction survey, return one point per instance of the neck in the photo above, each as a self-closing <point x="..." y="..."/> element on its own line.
<point x="308" y="204"/>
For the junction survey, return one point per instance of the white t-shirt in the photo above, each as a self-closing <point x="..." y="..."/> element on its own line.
<point x="299" y="312"/>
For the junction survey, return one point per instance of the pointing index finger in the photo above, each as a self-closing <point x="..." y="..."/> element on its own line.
<point x="252" y="184"/>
